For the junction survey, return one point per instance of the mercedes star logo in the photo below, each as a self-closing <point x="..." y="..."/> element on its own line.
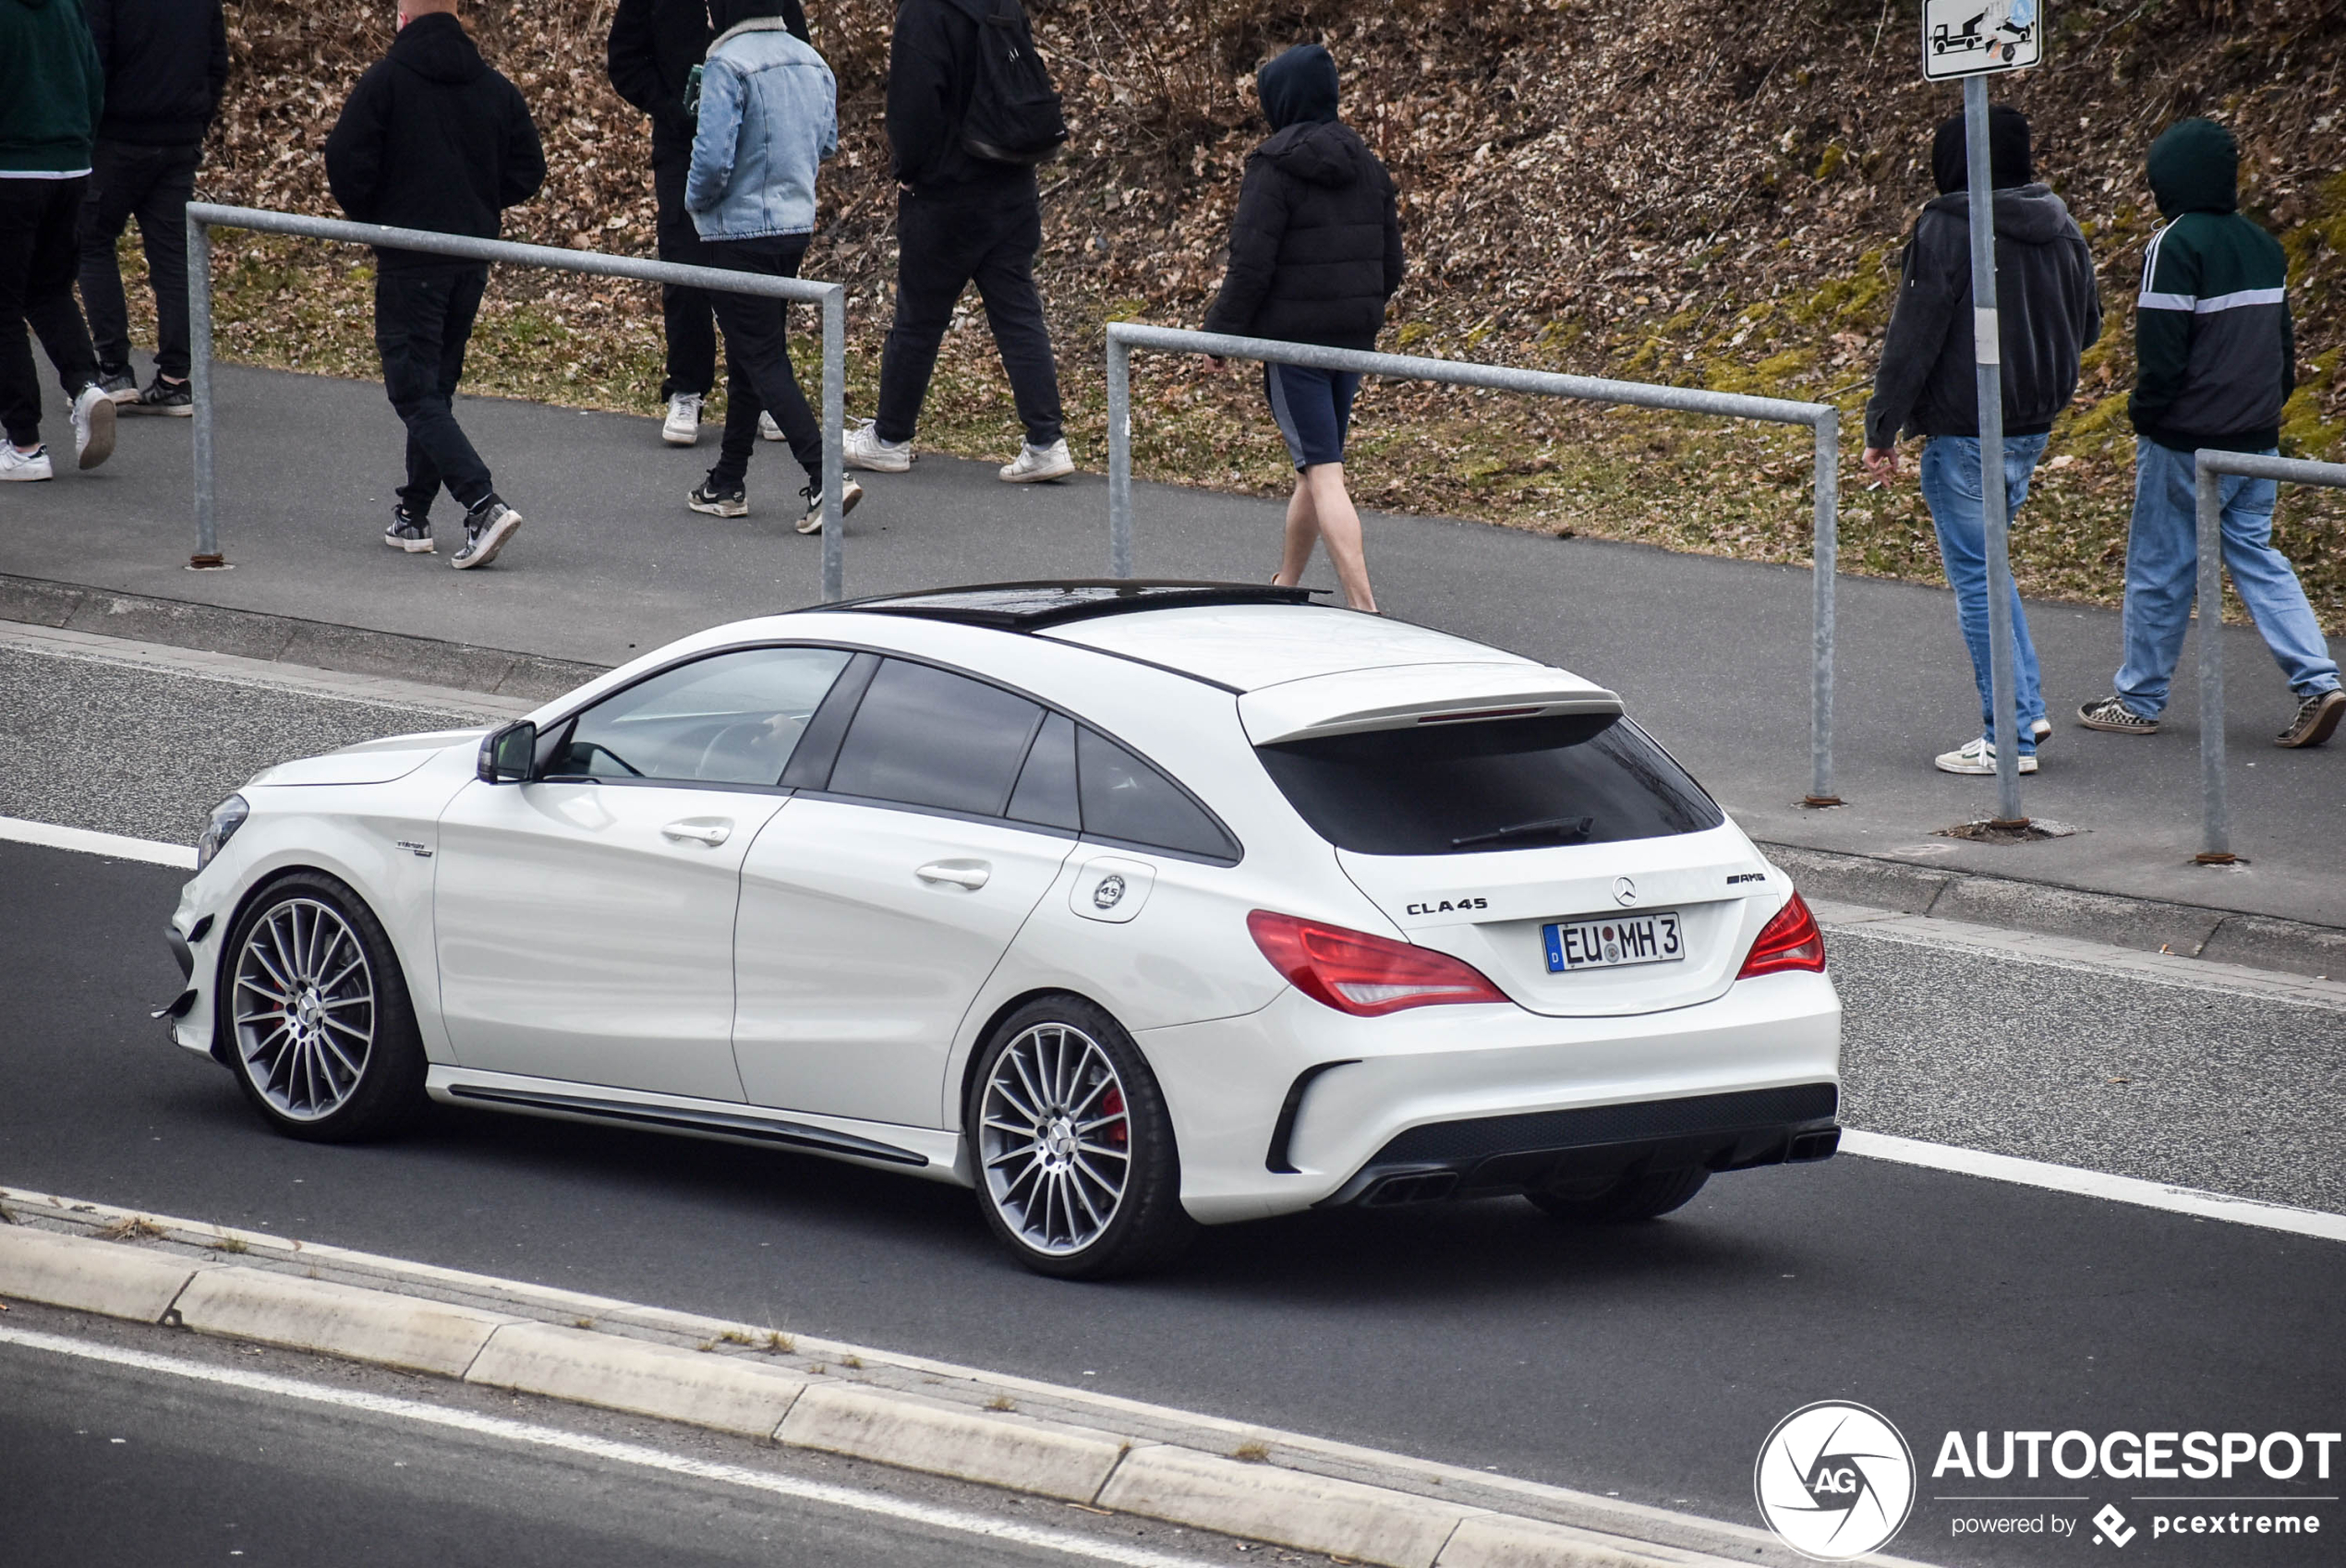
<point x="1625" y="892"/>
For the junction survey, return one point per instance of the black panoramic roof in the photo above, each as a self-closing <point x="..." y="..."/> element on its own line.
<point x="1031" y="606"/>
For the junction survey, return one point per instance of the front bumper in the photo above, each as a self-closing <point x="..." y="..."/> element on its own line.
<point x="1542" y="1150"/>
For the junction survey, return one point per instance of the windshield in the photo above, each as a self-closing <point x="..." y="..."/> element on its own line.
<point x="1497" y="784"/>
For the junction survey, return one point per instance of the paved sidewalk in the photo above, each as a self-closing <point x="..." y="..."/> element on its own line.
<point x="1711" y="654"/>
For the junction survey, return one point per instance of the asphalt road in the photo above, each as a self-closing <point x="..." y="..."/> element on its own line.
<point x="110" y="1464"/>
<point x="1648" y="1362"/>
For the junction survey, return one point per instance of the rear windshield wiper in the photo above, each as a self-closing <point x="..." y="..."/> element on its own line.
<point x="1563" y="827"/>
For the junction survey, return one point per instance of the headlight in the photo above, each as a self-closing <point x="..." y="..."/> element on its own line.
<point x="226" y="817"/>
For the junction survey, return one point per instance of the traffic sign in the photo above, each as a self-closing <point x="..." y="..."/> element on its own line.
<point x="1970" y="38"/>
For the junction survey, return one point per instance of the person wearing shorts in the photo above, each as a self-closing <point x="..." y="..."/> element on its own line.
<point x="1316" y="252"/>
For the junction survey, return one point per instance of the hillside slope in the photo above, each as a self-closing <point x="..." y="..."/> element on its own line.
<point x="1649" y="189"/>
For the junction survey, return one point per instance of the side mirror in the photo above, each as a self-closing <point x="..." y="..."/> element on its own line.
<point x="509" y="755"/>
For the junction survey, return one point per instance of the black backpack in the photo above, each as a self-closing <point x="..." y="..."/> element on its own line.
<point x="1015" y="115"/>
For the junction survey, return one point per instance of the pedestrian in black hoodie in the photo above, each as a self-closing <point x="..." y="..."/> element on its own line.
<point x="433" y="138"/>
<point x="167" y="64"/>
<point x="2048" y="312"/>
<point x="1316" y="252"/>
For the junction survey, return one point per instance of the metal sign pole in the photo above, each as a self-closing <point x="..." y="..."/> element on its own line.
<point x="1988" y="350"/>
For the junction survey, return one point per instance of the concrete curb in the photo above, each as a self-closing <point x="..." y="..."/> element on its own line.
<point x="1273" y="1487"/>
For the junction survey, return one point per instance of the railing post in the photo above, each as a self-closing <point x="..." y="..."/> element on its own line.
<point x="207" y="554"/>
<point x="834" y="457"/>
<point x="2216" y="828"/>
<point x="1825" y="558"/>
<point x="1119" y="455"/>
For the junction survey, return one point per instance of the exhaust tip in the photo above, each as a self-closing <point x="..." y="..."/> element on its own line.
<point x="1412" y="1187"/>
<point x="1813" y="1146"/>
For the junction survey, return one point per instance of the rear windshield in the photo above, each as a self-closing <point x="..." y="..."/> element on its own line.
<point x="1495" y="784"/>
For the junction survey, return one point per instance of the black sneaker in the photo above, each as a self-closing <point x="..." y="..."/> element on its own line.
<point x="118" y="383"/>
<point x="174" y="398"/>
<point x="410" y="531"/>
<point x="2115" y="716"/>
<point x="710" y="501"/>
<point x="811" y="519"/>
<point x="2316" y="720"/>
<point x="487" y="527"/>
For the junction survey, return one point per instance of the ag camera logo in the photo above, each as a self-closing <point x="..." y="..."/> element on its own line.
<point x="1834" y="1480"/>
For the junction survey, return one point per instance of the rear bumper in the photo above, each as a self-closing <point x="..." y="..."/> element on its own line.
<point x="1490" y="1156"/>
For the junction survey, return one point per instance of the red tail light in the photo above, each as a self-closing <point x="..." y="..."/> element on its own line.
<point x="1789" y="941"/>
<point x="1366" y="976"/>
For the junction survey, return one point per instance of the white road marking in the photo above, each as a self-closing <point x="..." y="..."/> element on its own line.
<point x="113" y="846"/>
<point x="934" y="1516"/>
<point x="2095" y="1184"/>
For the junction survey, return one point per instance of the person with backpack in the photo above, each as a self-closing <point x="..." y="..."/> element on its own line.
<point x="971" y="111"/>
<point x="166" y="65"/>
<point x="2215" y="358"/>
<point x="1316" y="252"/>
<point x="432" y="138"/>
<point x="2048" y="312"/>
<point x="768" y="117"/>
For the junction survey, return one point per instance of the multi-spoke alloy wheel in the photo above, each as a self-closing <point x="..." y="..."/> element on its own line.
<point x="305" y="1009"/>
<point x="1057" y="1140"/>
<point x="1074" y="1150"/>
<point x="315" y="1014"/>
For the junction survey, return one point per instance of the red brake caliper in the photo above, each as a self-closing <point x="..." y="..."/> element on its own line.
<point x="1112" y="1104"/>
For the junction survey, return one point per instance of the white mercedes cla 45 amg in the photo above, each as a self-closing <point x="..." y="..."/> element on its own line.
<point x="1132" y="906"/>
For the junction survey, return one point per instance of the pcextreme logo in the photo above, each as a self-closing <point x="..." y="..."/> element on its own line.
<point x="1834" y="1480"/>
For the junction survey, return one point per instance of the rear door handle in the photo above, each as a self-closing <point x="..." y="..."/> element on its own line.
<point x="699" y="830"/>
<point x="972" y="875"/>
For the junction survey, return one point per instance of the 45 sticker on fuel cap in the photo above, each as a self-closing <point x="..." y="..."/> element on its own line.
<point x="1112" y="889"/>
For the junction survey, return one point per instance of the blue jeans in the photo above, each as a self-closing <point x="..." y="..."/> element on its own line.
<point x="1951" y="485"/>
<point x="2162" y="579"/>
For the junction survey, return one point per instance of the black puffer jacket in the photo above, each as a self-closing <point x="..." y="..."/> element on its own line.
<point x="1315" y="250"/>
<point x="166" y="62"/>
<point x="432" y="138"/>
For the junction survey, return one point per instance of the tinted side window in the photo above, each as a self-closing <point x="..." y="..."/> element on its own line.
<point x="1045" y="793"/>
<point x="1499" y="784"/>
<point x="926" y="737"/>
<point x="732" y="718"/>
<point x="1125" y="798"/>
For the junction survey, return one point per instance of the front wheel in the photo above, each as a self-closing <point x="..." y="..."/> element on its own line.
<point x="1076" y="1168"/>
<point x="320" y="1033"/>
<point x="1647" y="1196"/>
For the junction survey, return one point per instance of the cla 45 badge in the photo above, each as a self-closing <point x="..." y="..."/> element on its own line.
<point x="1447" y="906"/>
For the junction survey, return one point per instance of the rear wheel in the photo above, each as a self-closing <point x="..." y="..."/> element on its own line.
<point x="1646" y="1195"/>
<point x="1076" y="1167"/>
<point x="316" y="1014"/>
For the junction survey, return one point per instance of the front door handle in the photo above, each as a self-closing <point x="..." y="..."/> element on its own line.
<point x="700" y="830"/>
<point x="972" y="875"/>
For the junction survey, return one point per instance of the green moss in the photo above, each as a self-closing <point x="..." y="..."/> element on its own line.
<point x="2303" y="432"/>
<point x="1829" y="164"/>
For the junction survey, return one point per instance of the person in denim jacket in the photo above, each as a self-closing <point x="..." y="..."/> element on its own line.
<point x="767" y="118"/>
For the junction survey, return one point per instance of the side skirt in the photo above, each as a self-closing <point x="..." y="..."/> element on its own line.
<point x="932" y="1152"/>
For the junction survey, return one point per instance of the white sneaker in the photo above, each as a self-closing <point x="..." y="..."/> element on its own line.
<point x="864" y="449"/>
<point x="682" y="428"/>
<point x="93" y="426"/>
<point x="1035" y="464"/>
<point x="15" y="464"/>
<point x="767" y="429"/>
<point x="1978" y="758"/>
<point x="811" y="519"/>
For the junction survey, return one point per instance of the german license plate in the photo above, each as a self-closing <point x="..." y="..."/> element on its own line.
<point x="1613" y="941"/>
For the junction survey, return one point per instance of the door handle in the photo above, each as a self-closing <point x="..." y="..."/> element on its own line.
<point x="699" y="829"/>
<point x="972" y="875"/>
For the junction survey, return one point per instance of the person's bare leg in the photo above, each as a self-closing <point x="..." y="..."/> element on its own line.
<point x="1302" y="533"/>
<point x="1339" y="528"/>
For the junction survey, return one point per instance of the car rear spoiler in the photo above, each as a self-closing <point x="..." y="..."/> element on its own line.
<point x="1408" y="696"/>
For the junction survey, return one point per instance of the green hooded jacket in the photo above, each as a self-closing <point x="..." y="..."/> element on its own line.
<point x="52" y="89"/>
<point x="2214" y="353"/>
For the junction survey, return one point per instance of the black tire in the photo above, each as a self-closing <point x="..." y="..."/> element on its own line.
<point x="1646" y="1195"/>
<point x="358" y="1076"/>
<point x="1012" y="1163"/>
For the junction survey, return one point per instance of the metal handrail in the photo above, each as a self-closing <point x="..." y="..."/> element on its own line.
<point x="1822" y="417"/>
<point x="2215" y="841"/>
<point x="204" y="216"/>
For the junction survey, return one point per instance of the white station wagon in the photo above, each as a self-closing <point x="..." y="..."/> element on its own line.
<point x="1134" y="906"/>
